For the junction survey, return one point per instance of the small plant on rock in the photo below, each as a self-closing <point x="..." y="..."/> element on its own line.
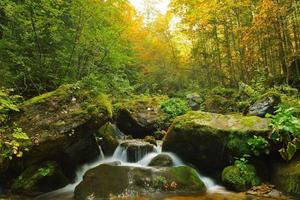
<point x="286" y="129"/>
<point x="258" y="145"/>
<point x="174" y="107"/>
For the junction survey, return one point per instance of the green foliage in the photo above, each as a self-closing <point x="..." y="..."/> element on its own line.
<point x="240" y="176"/>
<point x="114" y="84"/>
<point x="241" y="164"/>
<point x="13" y="141"/>
<point x="174" y="107"/>
<point x="286" y="129"/>
<point x="48" y="43"/>
<point x="47" y="170"/>
<point x="7" y="104"/>
<point x="258" y="145"/>
<point x="246" y="171"/>
<point x="260" y="81"/>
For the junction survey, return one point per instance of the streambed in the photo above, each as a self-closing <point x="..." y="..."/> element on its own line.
<point x="142" y="158"/>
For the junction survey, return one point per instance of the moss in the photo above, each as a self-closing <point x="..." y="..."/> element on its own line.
<point x="229" y="123"/>
<point x="61" y="93"/>
<point x="240" y="180"/>
<point x="187" y="176"/>
<point x="286" y="177"/>
<point x="109" y="140"/>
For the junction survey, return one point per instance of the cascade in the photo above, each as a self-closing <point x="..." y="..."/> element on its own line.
<point x="130" y="153"/>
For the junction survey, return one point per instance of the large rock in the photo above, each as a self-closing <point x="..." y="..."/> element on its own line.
<point x="109" y="135"/>
<point x="240" y="179"/>
<point x="210" y="140"/>
<point x="264" y="105"/>
<point x="40" y="179"/>
<point x="61" y="125"/>
<point x="286" y="176"/>
<point x="107" y="181"/>
<point x="141" y="116"/>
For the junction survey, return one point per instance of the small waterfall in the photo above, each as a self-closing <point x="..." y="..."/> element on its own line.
<point x="98" y="140"/>
<point x="134" y="153"/>
<point x="101" y="152"/>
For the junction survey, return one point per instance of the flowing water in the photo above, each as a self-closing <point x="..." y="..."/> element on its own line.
<point x="142" y="158"/>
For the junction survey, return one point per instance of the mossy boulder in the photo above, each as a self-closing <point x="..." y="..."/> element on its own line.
<point x="40" y="179"/>
<point x="210" y="141"/>
<point x="286" y="176"/>
<point x="109" y="135"/>
<point x="61" y="125"/>
<point x="161" y="160"/>
<point x="241" y="178"/>
<point x="141" y="115"/>
<point x="107" y="181"/>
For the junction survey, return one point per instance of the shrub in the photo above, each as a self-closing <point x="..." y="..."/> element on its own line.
<point x="258" y="145"/>
<point x="174" y="107"/>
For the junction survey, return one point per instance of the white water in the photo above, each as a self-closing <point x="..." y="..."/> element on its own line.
<point x="120" y="155"/>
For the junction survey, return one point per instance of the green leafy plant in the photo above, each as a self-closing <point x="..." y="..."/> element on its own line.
<point x="45" y="171"/>
<point x="258" y="145"/>
<point x="7" y="104"/>
<point x="241" y="163"/>
<point x="286" y="129"/>
<point x="174" y="107"/>
<point x="247" y="171"/>
<point x="13" y="141"/>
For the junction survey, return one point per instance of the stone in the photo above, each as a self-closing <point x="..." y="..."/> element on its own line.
<point x="161" y="160"/>
<point x="240" y="180"/>
<point x="286" y="177"/>
<point x="141" y="116"/>
<point x="108" y="136"/>
<point x="107" y="181"/>
<point x="265" y="105"/>
<point x="210" y="141"/>
<point x="194" y="101"/>
<point x="39" y="179"/>
<point x="61" y="125"/>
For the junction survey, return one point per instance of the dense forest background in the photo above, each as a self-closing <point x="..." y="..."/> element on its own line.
<point x="195" y="45"/>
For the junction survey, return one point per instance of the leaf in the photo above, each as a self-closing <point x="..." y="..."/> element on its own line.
<point x="20" y="135"/>
<point x="289" y="152"/>
<point x="20" y="154"/>
<point x="283" y="153"/>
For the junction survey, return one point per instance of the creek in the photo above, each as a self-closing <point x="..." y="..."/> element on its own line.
<point x="139" y="156"/>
